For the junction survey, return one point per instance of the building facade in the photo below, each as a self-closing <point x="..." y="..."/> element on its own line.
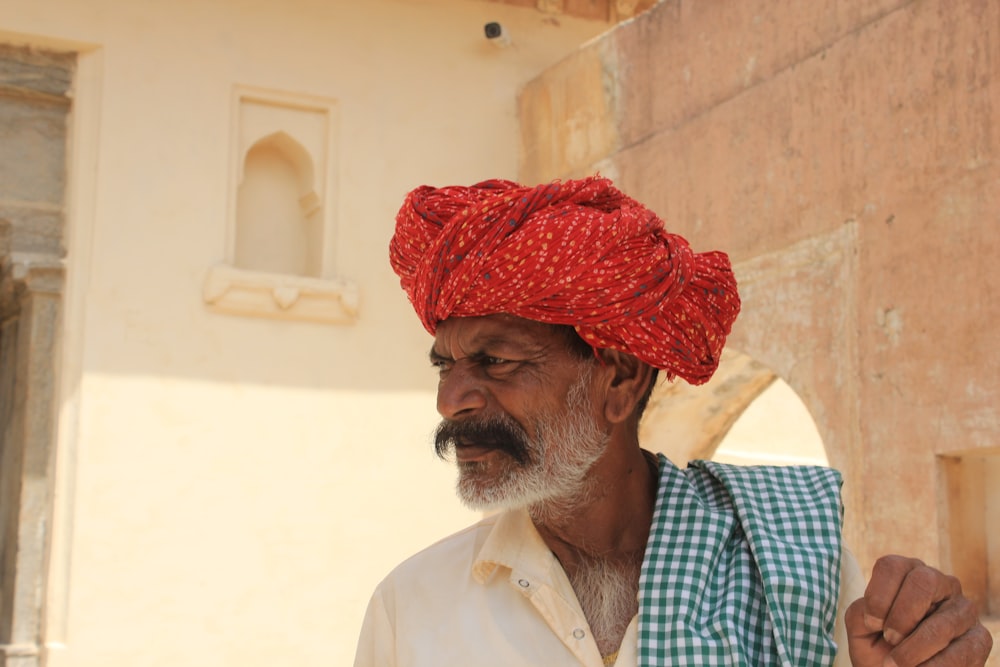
<point x="216" y="407"/>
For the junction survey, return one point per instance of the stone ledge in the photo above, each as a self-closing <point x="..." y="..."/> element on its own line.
<point x="18" y="650"/>
<point x="280" y="296"/>
<point x="29" y="71"/>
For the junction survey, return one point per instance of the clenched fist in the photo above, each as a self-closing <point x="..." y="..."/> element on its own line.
<point x="912" y="614"/>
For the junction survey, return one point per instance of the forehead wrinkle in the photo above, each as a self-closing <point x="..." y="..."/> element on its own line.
<point x="482" y="344"/>
<point x="486" y="337"/>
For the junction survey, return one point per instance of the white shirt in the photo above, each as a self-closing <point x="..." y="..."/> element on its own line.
<point x="495" y="595"/>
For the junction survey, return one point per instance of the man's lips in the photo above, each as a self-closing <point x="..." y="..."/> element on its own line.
<point x="469" y="452"/>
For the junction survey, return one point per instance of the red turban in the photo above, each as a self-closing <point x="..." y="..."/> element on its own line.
<point x="573" y="252"/>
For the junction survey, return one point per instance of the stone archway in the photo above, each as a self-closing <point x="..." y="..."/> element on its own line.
<point x="803" y="292"/>
<point x="687" y="422"/>
<point x="857" y="225"/>
<point x="775" y="430"/>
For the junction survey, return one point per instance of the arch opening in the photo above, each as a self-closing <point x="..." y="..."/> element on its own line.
<point x="775" y="429"/>
<point x="746" y="414"/>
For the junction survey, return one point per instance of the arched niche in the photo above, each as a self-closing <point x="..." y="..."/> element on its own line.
<point x="278" y="213"/>
<point x="281" y="226"/>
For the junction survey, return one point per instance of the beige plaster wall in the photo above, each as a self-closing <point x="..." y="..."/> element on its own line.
<point x="861" y="134"/>
<point x="230" y="489"/>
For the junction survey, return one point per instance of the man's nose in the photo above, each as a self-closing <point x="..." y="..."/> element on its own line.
<point x="460" y="393"/>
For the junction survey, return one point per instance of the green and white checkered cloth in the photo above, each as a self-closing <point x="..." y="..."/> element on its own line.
<point x="742" y="567"/>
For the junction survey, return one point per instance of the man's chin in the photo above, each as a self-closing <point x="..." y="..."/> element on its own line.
<point x="482" y="494"/>
<point x="477" y="504"/>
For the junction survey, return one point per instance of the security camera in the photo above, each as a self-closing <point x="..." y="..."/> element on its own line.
<point x="496" y="34"/>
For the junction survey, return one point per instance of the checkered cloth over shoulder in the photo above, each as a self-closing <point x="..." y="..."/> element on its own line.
<point x="742" y="567"/>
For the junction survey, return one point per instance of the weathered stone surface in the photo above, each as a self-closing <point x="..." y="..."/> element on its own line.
<point x="567" y="116"/>
<point x="10" y="473"/>
<point x="758" y="130"/>
<point x="717" y="51"/>
<point x="32" y="151"/>
<point x="18" y="657"/>
<point x="27" y="70"/>
<point x="602" y="10"/>
<point x="34" y="229"/>
<point x="29" y="334"/>
<point x="33" y="109"/>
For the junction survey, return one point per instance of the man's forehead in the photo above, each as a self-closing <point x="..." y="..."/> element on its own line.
<point x="498" y="328"/>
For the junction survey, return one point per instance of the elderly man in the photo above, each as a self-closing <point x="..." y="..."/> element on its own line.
<point x="552" y="310"/>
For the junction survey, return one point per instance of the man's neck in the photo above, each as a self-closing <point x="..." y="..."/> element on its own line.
<point x="612" y="519"/>
<point x="600" y="539"/>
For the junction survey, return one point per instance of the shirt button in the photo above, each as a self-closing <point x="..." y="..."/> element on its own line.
<point x="523" y="583"/>
<point x="579" y="633"/>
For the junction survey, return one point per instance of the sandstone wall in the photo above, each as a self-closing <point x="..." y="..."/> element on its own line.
<point x="846" y="155"/>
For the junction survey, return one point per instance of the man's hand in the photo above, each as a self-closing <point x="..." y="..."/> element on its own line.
<point x="911" y="615"/>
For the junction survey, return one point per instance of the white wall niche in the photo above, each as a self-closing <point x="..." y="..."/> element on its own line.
<point x="282" y="214"/>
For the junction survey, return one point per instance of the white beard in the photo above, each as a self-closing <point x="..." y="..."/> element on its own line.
<point x="554" y="478"/>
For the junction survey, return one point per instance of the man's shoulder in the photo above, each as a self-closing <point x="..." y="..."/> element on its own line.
<point x="449" y="557"/>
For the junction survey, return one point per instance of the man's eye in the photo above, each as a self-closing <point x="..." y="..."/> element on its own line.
<point x="440" y="365"/>
<point x="499" y="366"/>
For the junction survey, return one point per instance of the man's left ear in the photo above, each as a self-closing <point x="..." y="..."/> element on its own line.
<point x="629" y="381"/>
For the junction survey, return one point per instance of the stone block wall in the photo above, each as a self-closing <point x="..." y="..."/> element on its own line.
<point x="861" y="132"/>
<point x="34" y="104"/>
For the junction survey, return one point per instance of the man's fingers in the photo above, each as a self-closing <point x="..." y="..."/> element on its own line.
<point x="887" y="578"/>
<point x="854" y="619"/>
<point x="866" y="647"/>
<point x="970" y="650"/>
<point x="912" y="614"/>
<point x="922" y="589"/>
<point x="944" y="632"/>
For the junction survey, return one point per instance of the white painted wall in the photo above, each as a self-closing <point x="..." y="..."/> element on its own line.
<point x="231" y="489"/>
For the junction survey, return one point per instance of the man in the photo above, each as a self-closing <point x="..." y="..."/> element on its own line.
<point x="552" y="310"/>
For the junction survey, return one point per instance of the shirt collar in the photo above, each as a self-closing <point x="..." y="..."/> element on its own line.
<point x="513" y="543"/>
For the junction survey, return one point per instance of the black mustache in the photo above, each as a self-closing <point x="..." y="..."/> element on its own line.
<point x="502" y="434"/>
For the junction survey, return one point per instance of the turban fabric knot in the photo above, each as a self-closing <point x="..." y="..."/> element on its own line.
<point x="575" y="252"/>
